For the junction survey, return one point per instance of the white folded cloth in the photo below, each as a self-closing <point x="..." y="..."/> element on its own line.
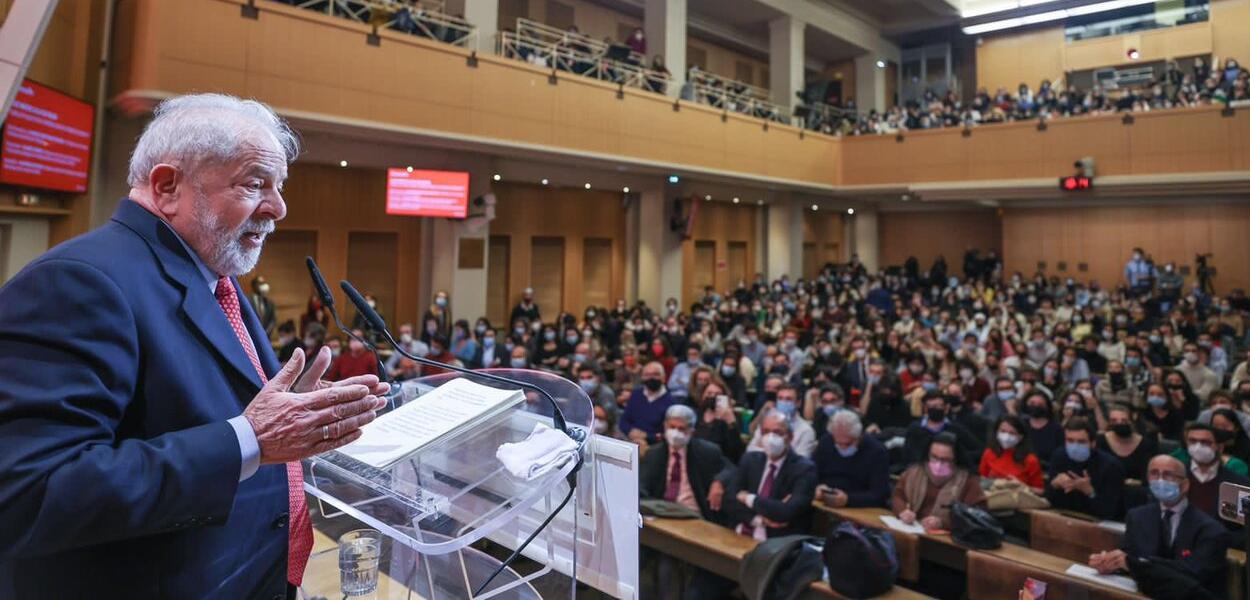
<point x="545" y="449"/>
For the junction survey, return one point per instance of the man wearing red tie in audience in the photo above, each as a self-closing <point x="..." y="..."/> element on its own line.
<point x="151" y="443"/>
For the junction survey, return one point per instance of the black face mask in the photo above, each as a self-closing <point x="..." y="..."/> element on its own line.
<point x="1038" y="412"/>
<point x="1117" y="378"/>
<point x="652" y="385"/>
<point x="936" y="415"/>
<point x="770" y="396"/>
<point x="1223" y="436"/>
<point x="1122" y="429"/>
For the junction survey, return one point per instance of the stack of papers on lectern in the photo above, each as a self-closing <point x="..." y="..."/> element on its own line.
<point x="449" y="409"/>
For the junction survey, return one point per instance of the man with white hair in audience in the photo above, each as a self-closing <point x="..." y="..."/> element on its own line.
<point x="853" y="470"/>
<point x="803" y="440"/>
<point x="152" y="441"/>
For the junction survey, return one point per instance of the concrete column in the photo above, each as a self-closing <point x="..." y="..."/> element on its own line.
<point x="869" y="83"/>
<point x="659" y="250"/>
<point x="484" y="15"/>
<point x="785" y="59"/>
<point x="866" y="243"/>
<point x="664" y="24"/>
<point x="785" y="239"/>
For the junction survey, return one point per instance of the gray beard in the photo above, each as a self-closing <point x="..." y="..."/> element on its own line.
<point x="227" y="256"/>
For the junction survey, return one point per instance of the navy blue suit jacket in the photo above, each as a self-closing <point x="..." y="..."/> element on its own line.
<point x="119" y="473"/>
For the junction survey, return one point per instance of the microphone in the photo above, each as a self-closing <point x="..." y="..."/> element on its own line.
<point x="327" y="300"/>
<point x="375" y="321"/>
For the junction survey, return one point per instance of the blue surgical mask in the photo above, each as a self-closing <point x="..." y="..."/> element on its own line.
<point x="1077" y="452"/>
<point x="929" y="386"/>
<point x="1167" y="492"/>
<point x="728" y="371"/>
<point x="786" y="407"/>
<point x="1006" y="395"/>
<point x="1132" y="362"/>
<point x="579" y="357"/>
<point x="1156" y="401"/>
<point x="830" y="409"/>
<point x="588" y="385"/>
<point x="489" y="342"/>
<point x="518" y="363"/>
<point x="847" y="452"/>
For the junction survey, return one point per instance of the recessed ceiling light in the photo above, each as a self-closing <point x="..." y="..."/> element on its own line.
<point x="587" y="185"/>
<point x="342" y="163"/>
<point x="625" y="189"/>
<point x="496" y="177"/>
<point x="880" y="64"/>
<point x="708" y="197"/>
<point x="850" y="211"/>
<point x="544" y="181"/>
<point x="814" y="207"/>
<point x="760" y="202"/>
<point x="736" y="200"/>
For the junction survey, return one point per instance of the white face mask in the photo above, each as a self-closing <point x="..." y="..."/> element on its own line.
<point x="1008" y="440"/>
<point x="1201" y="454"/>
<point x="676" y="438"/>
<point x="774" y="445"/>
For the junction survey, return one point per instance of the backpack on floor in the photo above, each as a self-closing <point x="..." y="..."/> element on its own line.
<point x="861" y="562"/>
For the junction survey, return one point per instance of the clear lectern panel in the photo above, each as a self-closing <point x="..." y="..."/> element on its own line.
<point x="456" y="492"/>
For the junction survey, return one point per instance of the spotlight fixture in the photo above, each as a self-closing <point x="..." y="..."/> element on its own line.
<point x="708" y="197"/>
<point x="850" y="211"/>
<point x="815" y="207"/>
<point x="409" y="169"/>
<point x="545" y="181"/>
<point x="342" y="163"/>
<point x="496" y="177"/>
<point x="736" y="200"/>
<point x="625" y="189"/>
<point x="880" y="64"/>
<point x="587" y="185"/>
<point x="673" y="179"/>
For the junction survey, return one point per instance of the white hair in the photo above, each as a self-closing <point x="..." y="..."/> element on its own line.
<point x="846" y="420"/>
<point x="681" y="411"/>
<point x="780" y="416"/>
<point x="190" y="130"/>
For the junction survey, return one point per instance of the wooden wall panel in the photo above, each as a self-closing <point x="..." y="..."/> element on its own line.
<point x="719" y="223"/>
<point x="597" y="272"/>
<point x="739" y="264"/>
<point x="926" y="235"/>
<point x="373" y="267"/>
<point x="524" y="211"/>
<point x="498" y="307"/>
<point x="336" y="76"/>
<point x="334" y="202"/>
<point x="704" y="273"/>
<point x="1103" y="238"/>
<point x="282" y="263"/>
<point x="547" y="269"/>
<point x="1009" y="59"/>
<point x="1228" y="35"/>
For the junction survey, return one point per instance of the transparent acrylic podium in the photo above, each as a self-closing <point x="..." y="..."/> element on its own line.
<point x="434" y="504"/>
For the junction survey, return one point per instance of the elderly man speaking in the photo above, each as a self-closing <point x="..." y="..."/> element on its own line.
<point x="149" y="442"/>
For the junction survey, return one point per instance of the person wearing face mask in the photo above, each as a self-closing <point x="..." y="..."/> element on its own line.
<point x="605" y="423"/>
<point x="1242" y="372"/>
<point x="1222" y="400"/>
<point x="803" y="437"/>
<point x="546" y="348"/>
<point x="1003" y="401"/>
<point x="717" y="422"/>
<point x="1171" y="530"/>
<point x="925" y="491"/>
<point x="1202" y="380"/>
<point x="464" y="345"/>
<point x="679" y="380"/>
<point x="936" y="421"/>
<point x="1117" y="386"/>
<point x="519" y="358"/>
<point x="976" y="389"/>
<point x="1123" y="441"/>
<point x="287" y="342"/>
<point x="438" y="351"/>
<point x="266" y="311"/>
<point x="1081" y="477"/>
<point x="882" y="404"/>
<point x="591" y="382"/>
<point x="1139" y="273"/>
<point x="775" y="487"/>
<point x="853" y="470"/>
<point x="1208" y="468"/>
<point x="686" y="470"/>
<point x="1162" y="414"/>
<point x="643" y="418"/>
<point x="1009" y="455"/>
<point x="410" y="343"/>
<point x="855" y="375"/>
<point x="526" y="308"/>
<point x="358" y="360"/>
<point x="730" y="373"/>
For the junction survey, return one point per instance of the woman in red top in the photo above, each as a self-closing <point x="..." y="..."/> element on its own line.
<point x="1009" y="457"/>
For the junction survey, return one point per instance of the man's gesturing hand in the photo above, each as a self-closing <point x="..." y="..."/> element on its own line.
<point x="290" y="426"/>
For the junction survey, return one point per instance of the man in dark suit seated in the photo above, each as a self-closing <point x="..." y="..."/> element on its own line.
<point x="775" y="487"/>
<point x="1191" y="541"/>
<point x="694" y="473"/>
<point x="1083" y="478"/>
<point x="936" y="420"/>
<point x="853" y="470"/>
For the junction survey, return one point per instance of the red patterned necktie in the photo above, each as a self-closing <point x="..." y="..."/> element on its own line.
<point x="766" y="491"/>
<point x="300" y="538"/>
<point x="674" y="479"/>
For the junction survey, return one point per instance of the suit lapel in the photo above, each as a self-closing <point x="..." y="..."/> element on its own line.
<point x="199" y="306"/>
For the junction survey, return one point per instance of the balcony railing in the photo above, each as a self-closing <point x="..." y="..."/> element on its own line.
<point x="551" y="48"/>
<point x="423" y="18"/>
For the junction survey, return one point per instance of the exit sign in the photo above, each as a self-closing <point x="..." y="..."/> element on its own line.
<point x="1076" y="183"/>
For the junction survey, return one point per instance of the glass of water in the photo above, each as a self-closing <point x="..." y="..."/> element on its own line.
<point x="359" y="553"/>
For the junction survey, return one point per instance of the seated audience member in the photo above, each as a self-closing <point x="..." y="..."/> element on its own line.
<point x="438" y="352"/>
<point x="1222" y="399"/>
<point x="717" y="422"/>
<point x="1009" y="455"/>
<point x="1123" y="441"/>
<point x="412" y="344"/>
<point x="643" y="418"/>
<point x="853" y="470"/>
<point x="491" y="356"/>
<point x="803" y="440"/>
<point x="1083" y="478"/>
<point x="936" y="421"/>
<point x="679" y="381"/>
<point x="685" y="469"/>
<point x="605" y="423"/>
<point x="882" y="404"/>
<point x="774" y="487"/>
<point x="287" y="342"/>
<point x="1203" y="438"/>
<point x="358" y="360"/>
<point x="1002" y="401"/>
<point x="730" y="373"/>
<point x="966" y="414"/>
<point x="1162" y="413"/>
<point x="1117" y="387"/>
<point x="589" y="379"/>
<point x="1043" y="432"/>
<point x="827" y="401"/>
<point x="1191" y="541"/>
<point x="1232" y="435"/>
<point x="1202" y="380"/>
<point x="926" y="489"/>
